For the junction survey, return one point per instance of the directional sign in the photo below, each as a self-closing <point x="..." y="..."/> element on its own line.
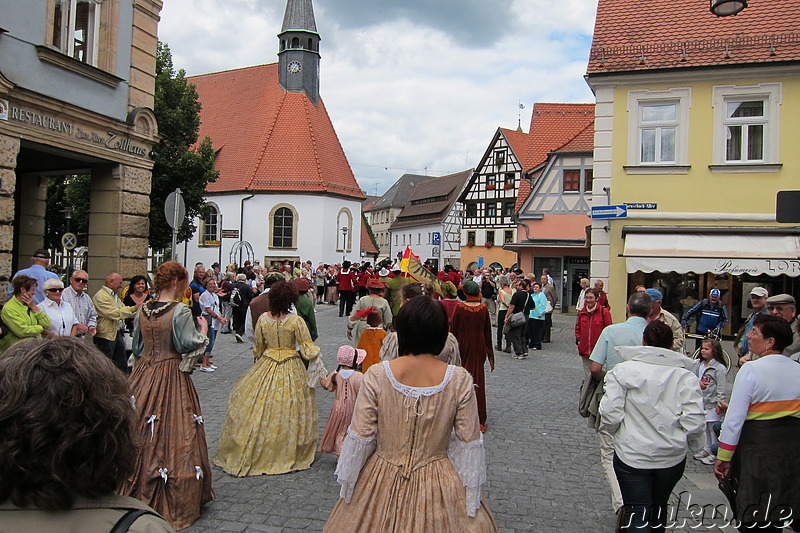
<point x="642" y="205"/>
<point x="609" y="211"/>
<point x="69" y="241"/>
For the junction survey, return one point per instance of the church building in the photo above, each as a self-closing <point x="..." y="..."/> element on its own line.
<point x="286" y="190"/>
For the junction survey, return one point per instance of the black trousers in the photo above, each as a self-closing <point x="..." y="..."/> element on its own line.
<point x="114" y="350"/>
<point x="535" y="333"/>
<point x="548" y="325"/>
<point x="645" y="493"/>
<point x="239" y="317"/>
<point x="501" y="318"/>
<point x="347" y="300"/>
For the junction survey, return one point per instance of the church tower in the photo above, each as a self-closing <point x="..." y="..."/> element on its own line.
<point x="298" y="55"/>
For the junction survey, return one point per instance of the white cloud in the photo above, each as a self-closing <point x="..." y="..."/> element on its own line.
<point x="411" y="91"/>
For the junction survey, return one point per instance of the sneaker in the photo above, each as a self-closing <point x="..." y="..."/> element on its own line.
<point x="709" y="460"/>
<point x="523" y="356"/>
<point x="239" y="338"/>
<point x="212" y="367"/>
<point x="206" y="369"/>
<point x="702" y="454"/>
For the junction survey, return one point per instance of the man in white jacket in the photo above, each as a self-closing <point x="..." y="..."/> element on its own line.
<point x="653" y="408"/>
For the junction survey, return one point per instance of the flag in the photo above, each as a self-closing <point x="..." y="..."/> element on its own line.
<point x="405" y="259"/>
<point x="418" y="272"/>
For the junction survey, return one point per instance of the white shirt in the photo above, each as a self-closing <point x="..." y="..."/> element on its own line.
<point x="61" y="317"/>
<point x="210" y="300"/>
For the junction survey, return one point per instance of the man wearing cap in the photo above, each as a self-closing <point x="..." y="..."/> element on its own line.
<point x="710" y="314"/>
<point x="666" y="317"/>
<point x="81" y="303"/>
<point x="785" y="306"/>
<point x="38" y="271"/>
<point x="758" y="299"/>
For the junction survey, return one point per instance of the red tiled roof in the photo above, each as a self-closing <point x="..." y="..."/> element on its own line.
<point x="267" y="139"/>
<point x="582" y="142"/>
<point x="366" y="241"/>
<point x="518" y="140"/>
<point x="553" y="126"/>
<point x="632" y="35"/>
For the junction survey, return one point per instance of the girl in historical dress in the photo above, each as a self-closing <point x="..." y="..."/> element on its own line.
<point x="357" y="322"/>
<point x="345" y="382"/>
<point x="472" y="327"/>
<point x="272" y="422"/>
<point x="413" y="459"/>
<point x="172" y="472"/>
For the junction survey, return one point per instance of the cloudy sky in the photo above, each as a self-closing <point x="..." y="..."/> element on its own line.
<point x="414" y="86"/>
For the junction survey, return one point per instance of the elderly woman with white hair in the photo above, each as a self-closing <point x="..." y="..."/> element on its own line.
<point x="62" y="317"/>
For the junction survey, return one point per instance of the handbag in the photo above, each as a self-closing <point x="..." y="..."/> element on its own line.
<point x="549" y="307"/>
<point x="516" y="319"/>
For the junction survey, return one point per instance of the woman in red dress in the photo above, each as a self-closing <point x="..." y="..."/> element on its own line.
<point x="472" y="327"/>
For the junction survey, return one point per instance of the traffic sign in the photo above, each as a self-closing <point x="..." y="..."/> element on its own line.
<point x="609" y="211"/>
<point x="69" y="241"/>
<point x="175" y="209"/>
<point x="436" y="238"/>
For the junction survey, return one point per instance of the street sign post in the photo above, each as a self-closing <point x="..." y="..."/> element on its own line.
<point x="175" y="212"/>
<point x="641" y="205"/>
<point x="609" y="211"/>
<point x="69" y="241"/>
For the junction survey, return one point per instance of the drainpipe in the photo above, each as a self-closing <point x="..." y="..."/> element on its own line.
<point x="241" y="226"/>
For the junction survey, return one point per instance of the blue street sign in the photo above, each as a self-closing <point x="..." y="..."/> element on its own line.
<point x="642" y="205"/>
<point x="436" y="238"/>
<point x="480" y="261"/>
<point x="609" y="211"/>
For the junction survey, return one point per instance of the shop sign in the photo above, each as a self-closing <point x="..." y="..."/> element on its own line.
<point x="109" y="139"/>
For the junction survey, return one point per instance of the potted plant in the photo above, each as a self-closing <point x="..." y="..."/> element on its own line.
<point x="491" y="187"/>
<point x="488" y="244"/>
<point x="470" y="243"/>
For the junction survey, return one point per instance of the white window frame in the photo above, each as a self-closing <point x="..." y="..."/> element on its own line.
<point x="204" y="232"/>
<point x="770" y="94"/>
<point x="67" y="30"/>
<point x="637" y="100"/>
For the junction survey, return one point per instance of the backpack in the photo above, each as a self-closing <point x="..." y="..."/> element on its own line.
<point x="236" y="298"/>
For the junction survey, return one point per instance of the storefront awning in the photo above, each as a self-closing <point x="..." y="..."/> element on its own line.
<point x="746" y="253"/>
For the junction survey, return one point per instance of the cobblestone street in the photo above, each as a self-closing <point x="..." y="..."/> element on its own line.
<point x="543" y="461"/>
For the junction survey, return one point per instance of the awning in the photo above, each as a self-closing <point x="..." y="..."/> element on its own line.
<point x="748" y="253"/>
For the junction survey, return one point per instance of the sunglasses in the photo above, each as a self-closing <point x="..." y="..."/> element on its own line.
<point x="81" y="280"/>
<point x="55" y="290"/>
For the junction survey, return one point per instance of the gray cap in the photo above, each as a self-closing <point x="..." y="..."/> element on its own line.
<point x="782" y="299"/>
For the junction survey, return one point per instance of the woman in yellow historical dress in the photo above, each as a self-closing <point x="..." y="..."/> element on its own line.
<point x="272" y="423"/>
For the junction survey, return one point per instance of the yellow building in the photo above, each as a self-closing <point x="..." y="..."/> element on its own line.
<point x="695" y="134"/>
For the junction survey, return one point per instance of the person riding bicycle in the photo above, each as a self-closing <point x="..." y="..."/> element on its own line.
<point x="710" y="314"/>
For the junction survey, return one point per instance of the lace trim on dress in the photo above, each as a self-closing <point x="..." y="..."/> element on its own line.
<point x="416" y="392"/>
<point x="355" y="452"/>
<point x="154" y="307"/>
<point x="469" y="460"/>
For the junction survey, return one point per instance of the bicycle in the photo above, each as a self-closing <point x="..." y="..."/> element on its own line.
<point x="713" y="334"/>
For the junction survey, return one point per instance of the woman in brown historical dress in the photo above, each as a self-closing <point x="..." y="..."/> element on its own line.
<point x="413" y="458"/>
<point x="472" y="327"/>
<point x="172" y="472"/>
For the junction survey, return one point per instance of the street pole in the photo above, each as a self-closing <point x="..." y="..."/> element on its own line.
<point x="175" y="214"/>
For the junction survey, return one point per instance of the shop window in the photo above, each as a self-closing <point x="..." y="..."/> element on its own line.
<point x="209" y="230"/>
<point x="746" y="124"/>
<point x="572" y="180"/>
<point x="508" y="236"/>
<point x="470" y="237"/>
<point x="75" y="28"/>
<point x="489" y="237"/>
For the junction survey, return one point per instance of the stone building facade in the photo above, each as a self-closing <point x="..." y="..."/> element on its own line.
<point x="77" y="80"/>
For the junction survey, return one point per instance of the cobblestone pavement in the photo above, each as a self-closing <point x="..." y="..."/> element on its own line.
<point x="543" y="461"/>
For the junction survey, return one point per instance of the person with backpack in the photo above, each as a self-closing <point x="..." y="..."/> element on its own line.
<point x="240" y="297"/>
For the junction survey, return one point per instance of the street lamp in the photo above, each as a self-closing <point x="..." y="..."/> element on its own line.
<point x="344" y="242"/>
<point x="725" y="8"/>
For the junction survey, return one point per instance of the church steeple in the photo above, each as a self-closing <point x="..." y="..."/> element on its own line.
<point x="298" y="55"/>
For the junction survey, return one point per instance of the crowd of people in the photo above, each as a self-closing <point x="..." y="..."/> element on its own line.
<point x="410" y="391"/>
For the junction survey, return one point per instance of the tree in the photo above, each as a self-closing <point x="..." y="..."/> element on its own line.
<point x="66" y="191"/>
<point x="177" y="164"/>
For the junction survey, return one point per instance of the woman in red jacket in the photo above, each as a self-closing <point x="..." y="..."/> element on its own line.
<point x="592" y="319"/>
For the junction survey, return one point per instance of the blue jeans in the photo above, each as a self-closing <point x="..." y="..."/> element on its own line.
<point x="645" y="493"/>
<point x="212" y="337"/>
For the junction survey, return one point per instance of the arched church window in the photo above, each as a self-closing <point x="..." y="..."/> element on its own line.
<point x="209" y="225"/>
<point x="283" y="220"/>
<point x="295" y="42"/>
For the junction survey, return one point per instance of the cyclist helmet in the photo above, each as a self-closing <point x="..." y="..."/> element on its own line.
<point x="714" y="293"/>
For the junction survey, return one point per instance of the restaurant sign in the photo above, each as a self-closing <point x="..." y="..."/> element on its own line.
<point x="108" y="139"/>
